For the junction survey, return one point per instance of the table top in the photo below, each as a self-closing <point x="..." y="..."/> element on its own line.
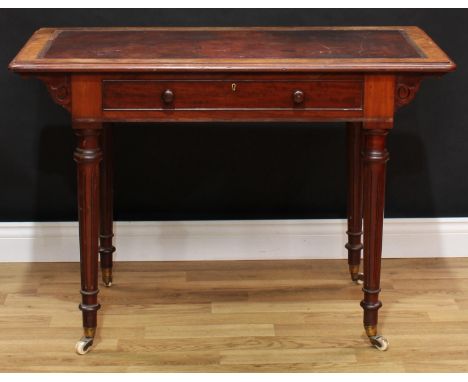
<point x="310" y="49"/>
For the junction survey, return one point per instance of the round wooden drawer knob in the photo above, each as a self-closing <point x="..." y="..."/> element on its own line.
<point x="298" y="96"/>
<point x="168" y="96"/>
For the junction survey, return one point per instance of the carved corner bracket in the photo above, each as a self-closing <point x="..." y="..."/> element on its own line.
<point x="405" y="89"/>
<point x="59" y="88"/>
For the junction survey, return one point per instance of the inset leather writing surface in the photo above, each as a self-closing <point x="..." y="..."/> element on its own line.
<point x="273" y="49"/>
<point x="231" y="44"/>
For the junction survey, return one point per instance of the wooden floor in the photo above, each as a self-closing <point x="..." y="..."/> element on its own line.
<point x="236" y="316"/>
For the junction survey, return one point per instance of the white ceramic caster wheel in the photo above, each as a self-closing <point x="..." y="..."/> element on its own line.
<point x="83" y="345"/>
<point x="379" y="342"/>
<point x="360" y="279"/>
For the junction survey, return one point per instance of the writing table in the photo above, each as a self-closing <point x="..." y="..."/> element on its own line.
<point x="357" y="75"/>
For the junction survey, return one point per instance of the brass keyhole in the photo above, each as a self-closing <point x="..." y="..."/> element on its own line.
<point x="233" y="87"/>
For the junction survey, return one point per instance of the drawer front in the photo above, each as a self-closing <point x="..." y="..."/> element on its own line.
<point x="232" y="95"/>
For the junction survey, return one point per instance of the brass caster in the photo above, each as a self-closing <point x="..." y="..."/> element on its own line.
<point x="84" y="345"/>
<point x="107" y="276"/>
<point x="379" y="342"/>
<point x="357" y="277"/>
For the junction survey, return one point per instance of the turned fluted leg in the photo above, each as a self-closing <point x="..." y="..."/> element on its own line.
<point x="88" y="156"/>
<point x="375" y="156"/>
<point x="354" y="232"/>
<point x="106" y="249"/>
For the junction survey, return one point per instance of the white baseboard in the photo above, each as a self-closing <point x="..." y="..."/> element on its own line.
<point x="234" y="240"/>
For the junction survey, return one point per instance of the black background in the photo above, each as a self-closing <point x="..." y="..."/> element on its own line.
<point x="233" y="171"/>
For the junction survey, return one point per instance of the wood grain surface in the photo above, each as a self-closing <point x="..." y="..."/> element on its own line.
<point x="236" y="316"/>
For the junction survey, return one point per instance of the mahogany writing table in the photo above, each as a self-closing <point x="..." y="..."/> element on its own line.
<point x="358" y="75"/>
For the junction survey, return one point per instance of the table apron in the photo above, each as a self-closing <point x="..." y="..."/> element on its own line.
<point x="226" y="115"/>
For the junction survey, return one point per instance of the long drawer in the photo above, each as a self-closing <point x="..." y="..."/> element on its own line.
<point x="232" y="94"/>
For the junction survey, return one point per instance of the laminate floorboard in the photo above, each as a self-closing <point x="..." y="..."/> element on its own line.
<point x="265" y="316"/>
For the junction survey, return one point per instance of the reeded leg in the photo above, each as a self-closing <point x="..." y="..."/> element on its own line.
<point x="354" y="232"/>
<point x="88" y="156"/>
<point x="375" y="156"/>
<point x="106" y="249"/>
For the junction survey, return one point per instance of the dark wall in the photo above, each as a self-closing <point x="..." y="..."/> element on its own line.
<point x="215" y="171"/>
